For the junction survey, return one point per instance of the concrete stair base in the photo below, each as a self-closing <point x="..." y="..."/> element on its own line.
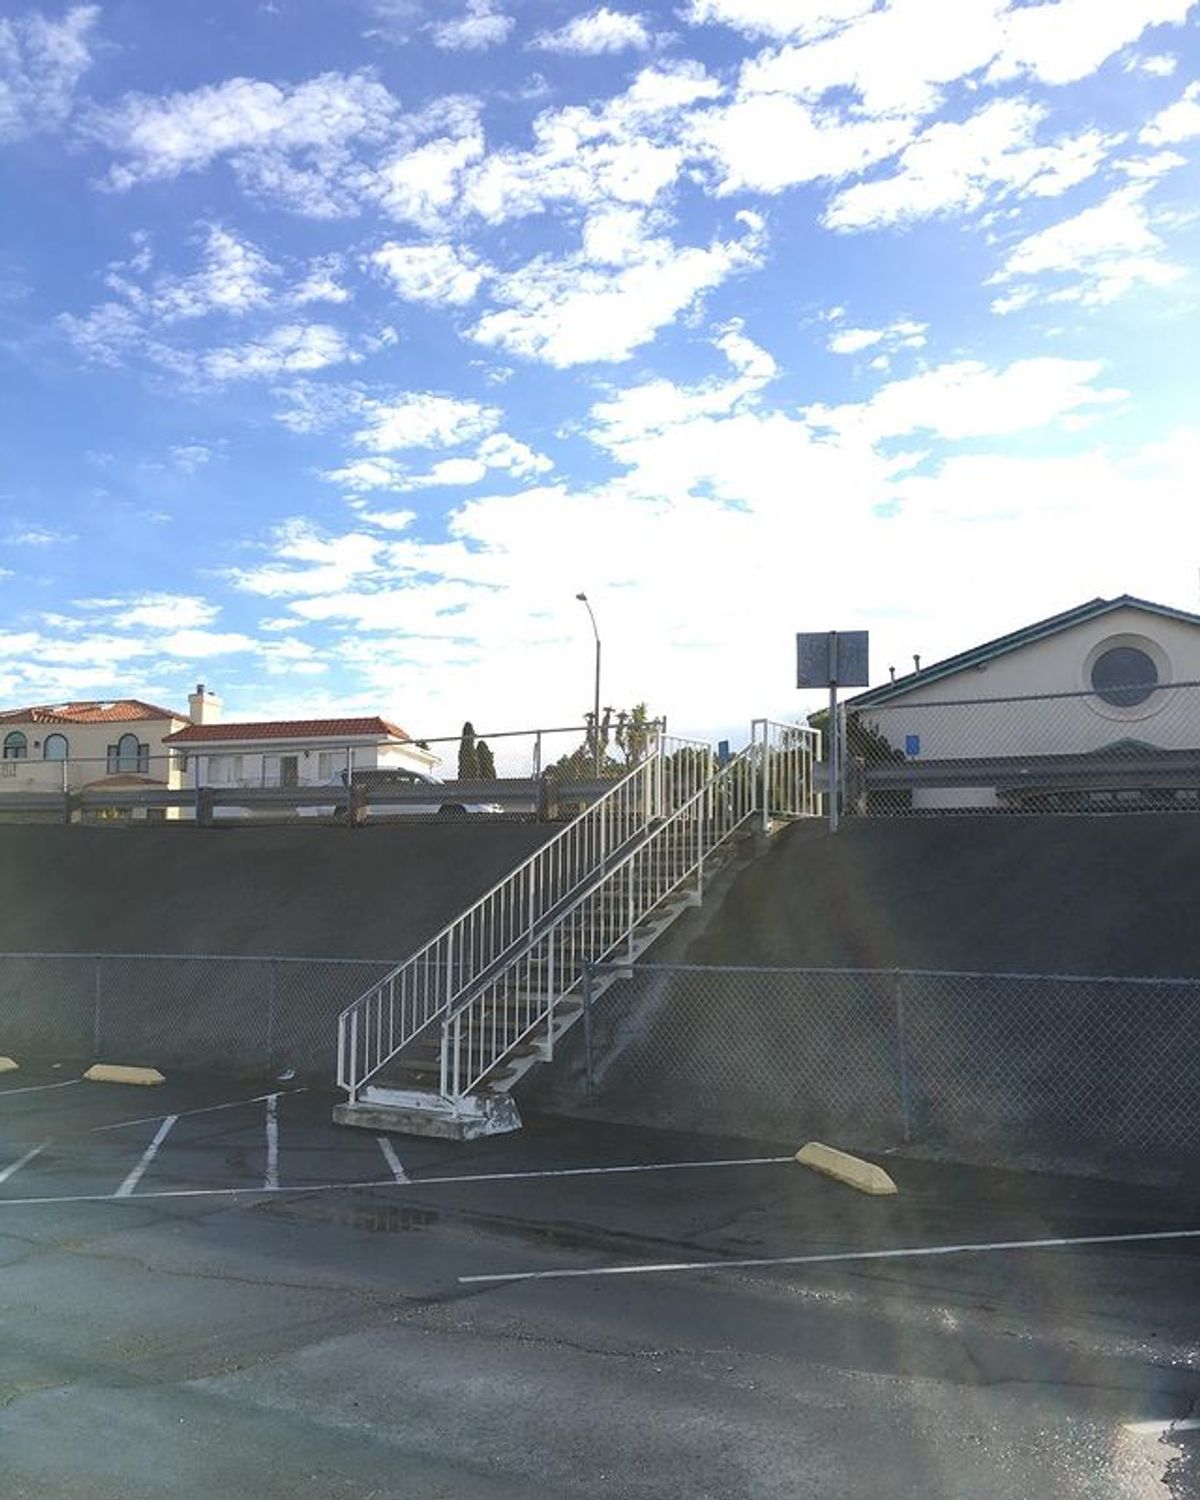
<point x="415" y="1112"/>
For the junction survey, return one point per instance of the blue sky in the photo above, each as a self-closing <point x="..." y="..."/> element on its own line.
<point x="343" y="344"/>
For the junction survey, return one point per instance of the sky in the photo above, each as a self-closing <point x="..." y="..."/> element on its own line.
<point x="344" y="342"/>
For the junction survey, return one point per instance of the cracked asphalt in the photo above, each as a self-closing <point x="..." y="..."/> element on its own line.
<point x="204" y="1336"/>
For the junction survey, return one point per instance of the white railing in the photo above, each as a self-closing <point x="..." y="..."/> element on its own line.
<point x="387" y="1017"/>
<point x="504" y="1011"/>
<point x="786" y="756"/>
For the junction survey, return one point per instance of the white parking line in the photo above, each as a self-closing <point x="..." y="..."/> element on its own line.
<point x="148" y="1155"/>
<point x="271" y="1180"/>
<point x="39" y="1088"/>
<point x="204" y="1109"/>
<point x="1163" y="1427"/>
<point x="658" y="1268"/>
<point x="417" y="1182"/>
<point x="15" y="1167"/>
<point x="393" y="1161"/>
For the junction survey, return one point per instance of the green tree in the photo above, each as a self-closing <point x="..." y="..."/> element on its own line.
<point x="468" y="755"/>
<point x="485" y="761"/>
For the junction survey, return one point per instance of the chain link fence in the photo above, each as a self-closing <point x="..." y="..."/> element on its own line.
<point x="1124" y="749"/>
<point x="255" y="1016"/>
<point x="1051" y="1071"/>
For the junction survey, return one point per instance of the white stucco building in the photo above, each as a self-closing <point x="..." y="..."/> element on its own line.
<point x="1082" y="702"/>
<point x="288" y="752"/>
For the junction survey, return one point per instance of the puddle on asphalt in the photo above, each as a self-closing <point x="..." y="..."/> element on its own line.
<point x="374" y="1217"/>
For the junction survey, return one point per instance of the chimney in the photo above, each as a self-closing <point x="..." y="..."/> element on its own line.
<point x="203" y="707"/>
<point x="892" y="673"/>
<point x="916" y="663"/>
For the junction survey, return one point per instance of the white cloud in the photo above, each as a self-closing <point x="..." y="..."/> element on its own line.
<point x="305" y="562"/>
<point x="235" y="278"/>
<point x="479" y="27"/>
<point x="1178" y="122"/>
<point x="290" y="349"/>
<point x="595" y="32"/>
<point x="1157" y="65"/>
<point x="422" y="419"/>
<point x="156" y="611"/>
<point x="1063" y="42"/>
<point x="320" y="283"/>
<point x="422" y="179"/>
<point x="500" y="451"/>
<point x="41" y="62"/>
<point x="579" y="309"/>
<point x="196" y="645"/>
<point x="291" y="143"/>
<point x="36" y="536"/>
<point x="189" y="458"/>
<point x="627" y="150"/>
<point x="437" y="273"/>
<point x="898" y="60"/>
<point x="776" y="18"/>
<point x="105" y="335"/>
<point x="767" y="142"/>
<point x="1093" y="258"/>
<point x="960" y="165"/>
<point x="902" y="334"/>
<point x="967" y="399"/>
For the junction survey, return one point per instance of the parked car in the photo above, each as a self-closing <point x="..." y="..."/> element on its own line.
<point x="377" y="782"/>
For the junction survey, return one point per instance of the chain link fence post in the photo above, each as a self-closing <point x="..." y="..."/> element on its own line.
<point x="272" y="994"/>
<point x="98" y="983"/>
<point x="902" y="1057"/>
<point x="589" y="1074"/>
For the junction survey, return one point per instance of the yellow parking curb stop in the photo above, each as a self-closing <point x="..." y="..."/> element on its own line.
<point x="863" y="1175"/>
<point x="114" y="1073"/>
<point x="7" y="1065"/>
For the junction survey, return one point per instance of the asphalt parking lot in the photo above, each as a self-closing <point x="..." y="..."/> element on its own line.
<point x="208" y="1290"/>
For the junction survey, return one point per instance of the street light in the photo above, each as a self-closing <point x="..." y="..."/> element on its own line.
<point x="583" y="599"/>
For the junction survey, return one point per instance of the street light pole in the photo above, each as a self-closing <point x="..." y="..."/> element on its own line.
<point x="583" y="599"/>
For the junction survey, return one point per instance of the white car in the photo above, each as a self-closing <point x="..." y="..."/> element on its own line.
<point x="378" y="781"/>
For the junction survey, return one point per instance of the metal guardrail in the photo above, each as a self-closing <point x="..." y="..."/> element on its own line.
<point x="1124" y="749"/>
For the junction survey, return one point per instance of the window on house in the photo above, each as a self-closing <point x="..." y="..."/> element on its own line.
<point x="16" y="746"/>
<point x="128" y="755"/>
<point x="55" y="747"/>
<point x="1124" y="676"/>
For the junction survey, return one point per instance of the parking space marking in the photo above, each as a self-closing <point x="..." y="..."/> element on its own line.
<point x="39" y="1088"/>
<point x="204" y="1109"/>
<point x="147" y="1156"/>
<point x="393" y="1161"/>
<point x="452" y="1180"/>
<point x="1163" y="1427"/>
<point x="271" y="1180"/>
<point x="913" y="1252"/>
<point x="15" y="1167"/>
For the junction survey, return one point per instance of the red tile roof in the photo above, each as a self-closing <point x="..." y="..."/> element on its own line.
<point x="287" y="729"/>
<point x="97" y="711"/>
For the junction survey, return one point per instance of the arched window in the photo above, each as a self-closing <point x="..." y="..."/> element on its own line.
<point x="16" y="746"/>
<point x="128" y="755"/>
<point x="55" y="747"/>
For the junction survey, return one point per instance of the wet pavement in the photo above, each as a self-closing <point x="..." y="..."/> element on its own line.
<point x="249" y="1301"/>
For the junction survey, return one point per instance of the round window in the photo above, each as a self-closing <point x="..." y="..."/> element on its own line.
<point x="1124" y="676"/>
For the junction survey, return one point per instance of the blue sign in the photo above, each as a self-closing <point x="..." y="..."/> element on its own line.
<point x="912" y="745"/>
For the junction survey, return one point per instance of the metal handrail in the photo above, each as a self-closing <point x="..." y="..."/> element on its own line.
<point x="479" y="1032"/>
<point x="395" y="1010"/>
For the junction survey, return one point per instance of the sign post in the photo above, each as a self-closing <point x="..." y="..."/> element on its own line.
<point x="828" y="659"/>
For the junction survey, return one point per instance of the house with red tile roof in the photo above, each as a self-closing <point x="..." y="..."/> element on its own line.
<point x="92" y="743"/>
<point x="290" y="752"/>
